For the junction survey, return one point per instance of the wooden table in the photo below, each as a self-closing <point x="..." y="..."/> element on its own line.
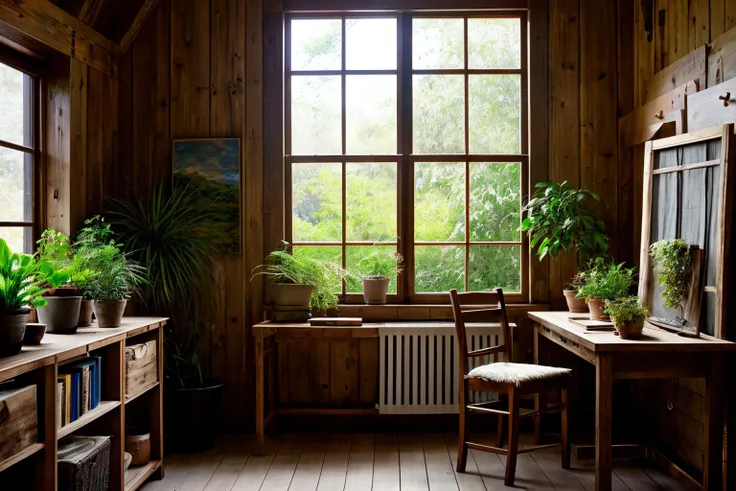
<point x="657" y="355"/>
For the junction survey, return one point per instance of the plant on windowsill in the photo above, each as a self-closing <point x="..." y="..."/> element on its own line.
<point x="627" y="315"/>
<point x="23" y="281"/>
<point x="558" y="219"/>
<point x="603" y="282"/>
<point x="375" y="272"/>
<point x="673" y="269"/>
<point x="299" y="283"/>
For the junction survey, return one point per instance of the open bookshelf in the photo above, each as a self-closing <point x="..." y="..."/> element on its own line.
<point x="40" y="365"/>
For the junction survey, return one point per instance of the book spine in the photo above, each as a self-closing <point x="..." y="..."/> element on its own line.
<point x="85" y="390"/>
<point x="68" y="397"/>
<point x="59" y="400"/>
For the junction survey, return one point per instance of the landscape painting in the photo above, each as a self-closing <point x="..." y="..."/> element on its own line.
<point x="212" y="165"/>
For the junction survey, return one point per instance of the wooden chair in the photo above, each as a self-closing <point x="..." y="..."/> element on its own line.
<point x="505" y="378"/>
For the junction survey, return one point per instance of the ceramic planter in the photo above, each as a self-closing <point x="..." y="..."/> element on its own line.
<point x="109" y="313"/>
<point x="596" y="306"/>
<point x="12" y="329"/>
<point x="630" y="330"/>
<point x="576" y="305"/>
<point x="291" y="296"/>
<point x="85" y="313"/>
<point x="375" y="290"/>
<point x="34" y="334"/>
<point x="61" y="315"/>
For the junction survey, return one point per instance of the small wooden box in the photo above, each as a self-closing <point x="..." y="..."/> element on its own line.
<point x="141" y="368"/>
<point x="18" y="420"/>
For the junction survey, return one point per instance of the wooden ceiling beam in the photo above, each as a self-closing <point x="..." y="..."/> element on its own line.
<point x="50" y="25"/>
<point x="90" y="11"/>
<point x="136" y="25"/>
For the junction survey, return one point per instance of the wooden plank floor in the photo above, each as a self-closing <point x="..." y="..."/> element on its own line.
<point x="381" y="462"/>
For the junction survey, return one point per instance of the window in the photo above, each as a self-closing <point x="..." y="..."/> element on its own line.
<point x="406" y="133"/>
<point x="17" y="157"/>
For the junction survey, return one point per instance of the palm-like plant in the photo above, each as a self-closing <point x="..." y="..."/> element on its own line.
<point x="23" y="280"/>
<point x="173" y="234"/>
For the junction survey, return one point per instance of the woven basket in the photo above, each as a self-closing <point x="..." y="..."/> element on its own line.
<point x="84" y="463"/>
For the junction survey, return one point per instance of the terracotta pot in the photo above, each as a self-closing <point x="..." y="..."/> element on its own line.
<point x="109" y="313"/>
<point x="34" y="334"/>
<point x="61" y="315"/>
<point x="576" y="305"/>
<point x="375" y="290"/>
<point x="12" y="329"/>
<point x="596" y="306"/>
<point x="630" y="330"/>
<point x="139" y="448"/>
<point x="85" y="313"/>
<point x="291" y="296"/>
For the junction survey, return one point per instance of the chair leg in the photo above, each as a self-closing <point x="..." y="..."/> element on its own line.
<point x="513" y="438"/>
<point x="499" y="432"/>
<point x="542" y="403"/>
<point x="462" y="447"/>
<point x="565" y="443"/>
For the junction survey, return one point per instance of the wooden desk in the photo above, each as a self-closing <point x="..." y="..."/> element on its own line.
<point x="658" y="354"/>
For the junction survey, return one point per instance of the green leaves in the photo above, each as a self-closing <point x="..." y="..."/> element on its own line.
<point x="606" y="281"/>
<point x="626" y="310"/>
<point x="557" y="219"/>
<point x="672" y="266"/>
<point x="24" y="279"/>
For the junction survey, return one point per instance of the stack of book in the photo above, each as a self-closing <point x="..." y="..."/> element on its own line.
<point x="78" y="389"/>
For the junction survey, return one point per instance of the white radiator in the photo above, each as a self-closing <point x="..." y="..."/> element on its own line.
<point x="419" y="366"/>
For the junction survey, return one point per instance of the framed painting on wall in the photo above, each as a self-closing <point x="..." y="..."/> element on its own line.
<point x="212" y="165"/>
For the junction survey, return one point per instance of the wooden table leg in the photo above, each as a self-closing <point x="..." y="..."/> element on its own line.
<point x="603" y="400"/>
<point x="714" y="416"/>
<point x="260" y="392"/>
<point x="539" y="398"/>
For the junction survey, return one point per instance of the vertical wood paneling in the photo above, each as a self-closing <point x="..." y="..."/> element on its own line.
<point x="57" y="149"/>
<point x="564" y="120"/>
<point x="598" y="119"/>
<point x="717" y="18"/>
<point x="643" y="49"/>
<point x="79" y="83"/>
<point x="626" y="205"/>
<point x="699" y="23"/>
<point x="97" y="126"/>
<point x="661" y="40"/>
<point x="122" y="176"/>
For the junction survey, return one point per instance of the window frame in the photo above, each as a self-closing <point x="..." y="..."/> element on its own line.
<point x="405" y="159"/>
<point x="33" y="124"/>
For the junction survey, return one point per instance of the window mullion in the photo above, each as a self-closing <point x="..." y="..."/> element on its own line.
<point x="406" y="169"/>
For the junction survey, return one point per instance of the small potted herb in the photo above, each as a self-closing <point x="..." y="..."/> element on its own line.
<point x="376" y="271"/>
<point x="627" y="315"/>
<point x="23" y="281"/>
<point x="558" y="219"/>
<point x="575" y="304"/>
<point x="604" y="282"/>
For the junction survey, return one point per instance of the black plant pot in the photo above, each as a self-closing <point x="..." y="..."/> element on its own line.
<point x="12" y="329"/>
<point x="192" y="417"/>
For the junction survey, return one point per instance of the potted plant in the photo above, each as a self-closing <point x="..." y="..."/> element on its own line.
<point x="300" y="283"/>
<point x="23" y="281"/>
<point x="603" y="282"/>
<point x="575" y="304"/>
<point x="116" y="276"/>
<point x="558" y="219"/>
<point x="376" y="271"/>
<point x="673" y="269"/>
<point x="173" y="233"/>
<point x="627" y="315"/>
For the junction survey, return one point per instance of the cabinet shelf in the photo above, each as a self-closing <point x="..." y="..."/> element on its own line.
<point x="26" y="452"/>
<point x="138" y="475"/>
<point x="104" y="408"/>
<point x="141" y="392"/>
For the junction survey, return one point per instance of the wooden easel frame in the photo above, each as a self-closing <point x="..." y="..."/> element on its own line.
<point x="725" y="210"/>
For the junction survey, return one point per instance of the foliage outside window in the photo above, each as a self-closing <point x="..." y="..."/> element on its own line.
<point x="17" y="157"/>
<point x="377" y="138"/>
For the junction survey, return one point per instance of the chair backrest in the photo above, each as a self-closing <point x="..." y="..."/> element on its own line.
<point x="479" y="307"/>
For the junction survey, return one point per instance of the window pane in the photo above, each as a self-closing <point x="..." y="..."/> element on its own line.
<point x="494" y="43"/>
<point x="316" y="113"/>
<point x="495" y="113"/>
<point x="316" y="202"/>
<point x="371" y="260"/>
<point x="326" y="254"/>
<point x="16" y="186"/>
<point x="15" y="115"/>
<point x="495" y="267"/>
<point x="370" y="106"/>
<point x="316" y="44"/>
<point x="439" y="114"/>
<point x="371" y="202"/>
<point x="19" y="239"/>
<point x="437" y="43"/>
<point x="439" y="202"/>
<point x="439" y="269"/>
<point x="370" y="44"/>
<point x="495" y="202"/>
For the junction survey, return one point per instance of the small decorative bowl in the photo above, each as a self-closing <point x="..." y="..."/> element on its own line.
<point x="34" y="333"/>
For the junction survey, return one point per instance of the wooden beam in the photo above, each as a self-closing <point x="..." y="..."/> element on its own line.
<point x="47" y="23"/>
<point x="90" y="11"/>
<point x="394" y="5"/>
<point x="136" y="25"/>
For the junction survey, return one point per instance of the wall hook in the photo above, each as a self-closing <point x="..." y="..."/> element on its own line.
<point x="659" y="115"/>
<point x="726" y="98"/>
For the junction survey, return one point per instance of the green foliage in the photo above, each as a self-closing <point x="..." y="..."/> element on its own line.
<point x="174" y="234"/>
<point x="625" y="310"/>
<point x="24" y="279"/>
<point x="56" y="249"/>
<point x="282" y="267"/>
<point x="381" y="264"/>
<point x="558" y="219"/>
<point x="672" y="266"/>
<point x="606" y="281"/>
